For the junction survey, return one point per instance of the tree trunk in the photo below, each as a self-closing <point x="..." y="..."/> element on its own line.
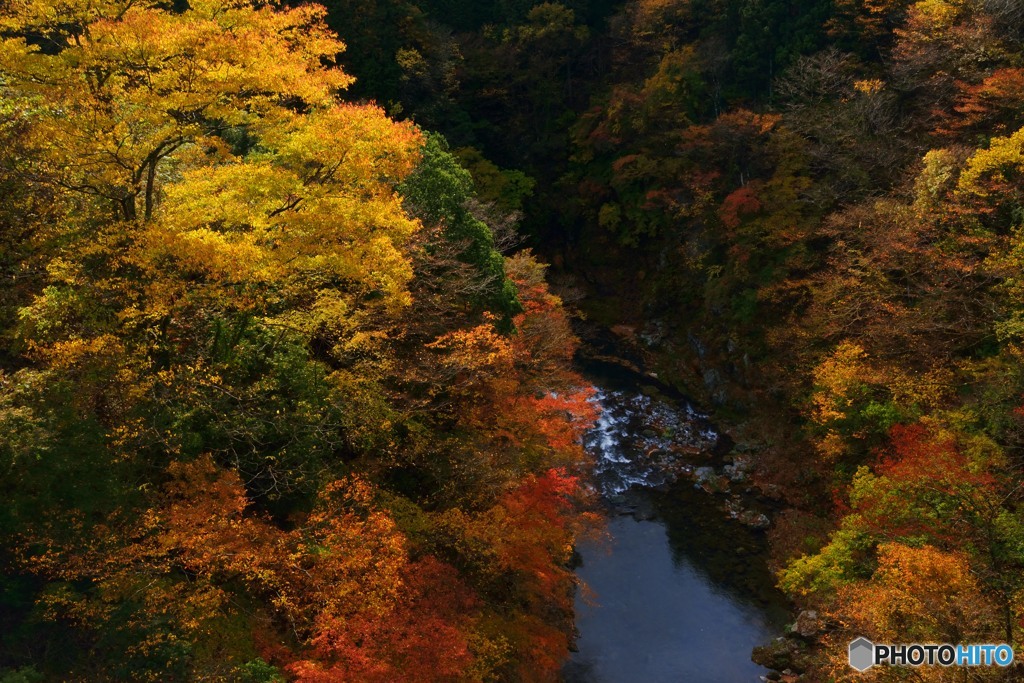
<point x="150" y="188"/>
<point x="128" y="207"/>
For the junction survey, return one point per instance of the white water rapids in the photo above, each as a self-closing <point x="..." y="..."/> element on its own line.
<point x="638" y="441"/>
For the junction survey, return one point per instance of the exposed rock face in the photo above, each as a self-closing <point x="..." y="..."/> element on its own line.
<point x="715" y="385"/>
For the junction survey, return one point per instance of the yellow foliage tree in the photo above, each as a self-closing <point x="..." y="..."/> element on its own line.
<point x="207" y="169"/>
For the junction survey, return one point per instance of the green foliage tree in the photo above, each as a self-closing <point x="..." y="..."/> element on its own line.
<point x="438" y="192"/>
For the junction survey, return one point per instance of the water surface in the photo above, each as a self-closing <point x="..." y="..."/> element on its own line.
<point x="681" y="594"/>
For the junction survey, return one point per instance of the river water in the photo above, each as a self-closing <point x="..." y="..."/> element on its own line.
<point x="678" y="592"/>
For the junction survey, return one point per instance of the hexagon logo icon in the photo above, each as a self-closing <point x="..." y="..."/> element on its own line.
<point x="862" y="654"/>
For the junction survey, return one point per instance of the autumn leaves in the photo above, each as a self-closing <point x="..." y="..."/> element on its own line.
<point x="235" y="450"/>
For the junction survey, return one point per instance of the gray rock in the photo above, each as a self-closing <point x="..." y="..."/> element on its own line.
<point x="715" y="385"/>
<point x="807" y="623"/>
<point x="755" y="520"/>
<point x="711" y="481"/>
<point x="743" y="462"/>
<point x="735" y="474"/>
<point x="704" y="474"/>
<point x="653" y="335"/>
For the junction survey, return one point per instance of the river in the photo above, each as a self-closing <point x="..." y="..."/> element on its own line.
<point x="678" y="591"/>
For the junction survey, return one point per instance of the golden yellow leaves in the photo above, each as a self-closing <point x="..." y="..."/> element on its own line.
<point x="855" y="395"/>
<point x="477" y="350"/>
<point x="73" y="352"/>
<point x="51" y="14"/>
<point x="869" y="86"/>
<point x="934" y="15"/>
<point x="918" y="594"/>
<point x="215" y="47"/>
<point x="137" y="84"/>
<point x="348" y="145"/>
<point x="990" y="170"/>
<point x="139" y="117"/>
<point x="938" y="173"/>
<point x="233" y="196"/>
<point x="314" y="211"/>
<point x="836" y="378"/>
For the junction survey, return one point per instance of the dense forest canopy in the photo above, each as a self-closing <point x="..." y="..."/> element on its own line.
<point x="284" y="395"/>
<point x="256" y="337"/>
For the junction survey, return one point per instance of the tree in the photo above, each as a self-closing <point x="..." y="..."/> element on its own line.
<point x="916" y="594"/>
<point x="438" y="192"/>
<point x="222" y="227"/>
<point x="992" y="106"/>
<point x="928" y="521"/>
<point x="125" y="87"/>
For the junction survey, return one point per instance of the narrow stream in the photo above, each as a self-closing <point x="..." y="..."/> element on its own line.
<point x="679" y="591"/>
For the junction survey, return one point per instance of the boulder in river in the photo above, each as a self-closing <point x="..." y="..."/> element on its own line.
<point x="777" y="655"/>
